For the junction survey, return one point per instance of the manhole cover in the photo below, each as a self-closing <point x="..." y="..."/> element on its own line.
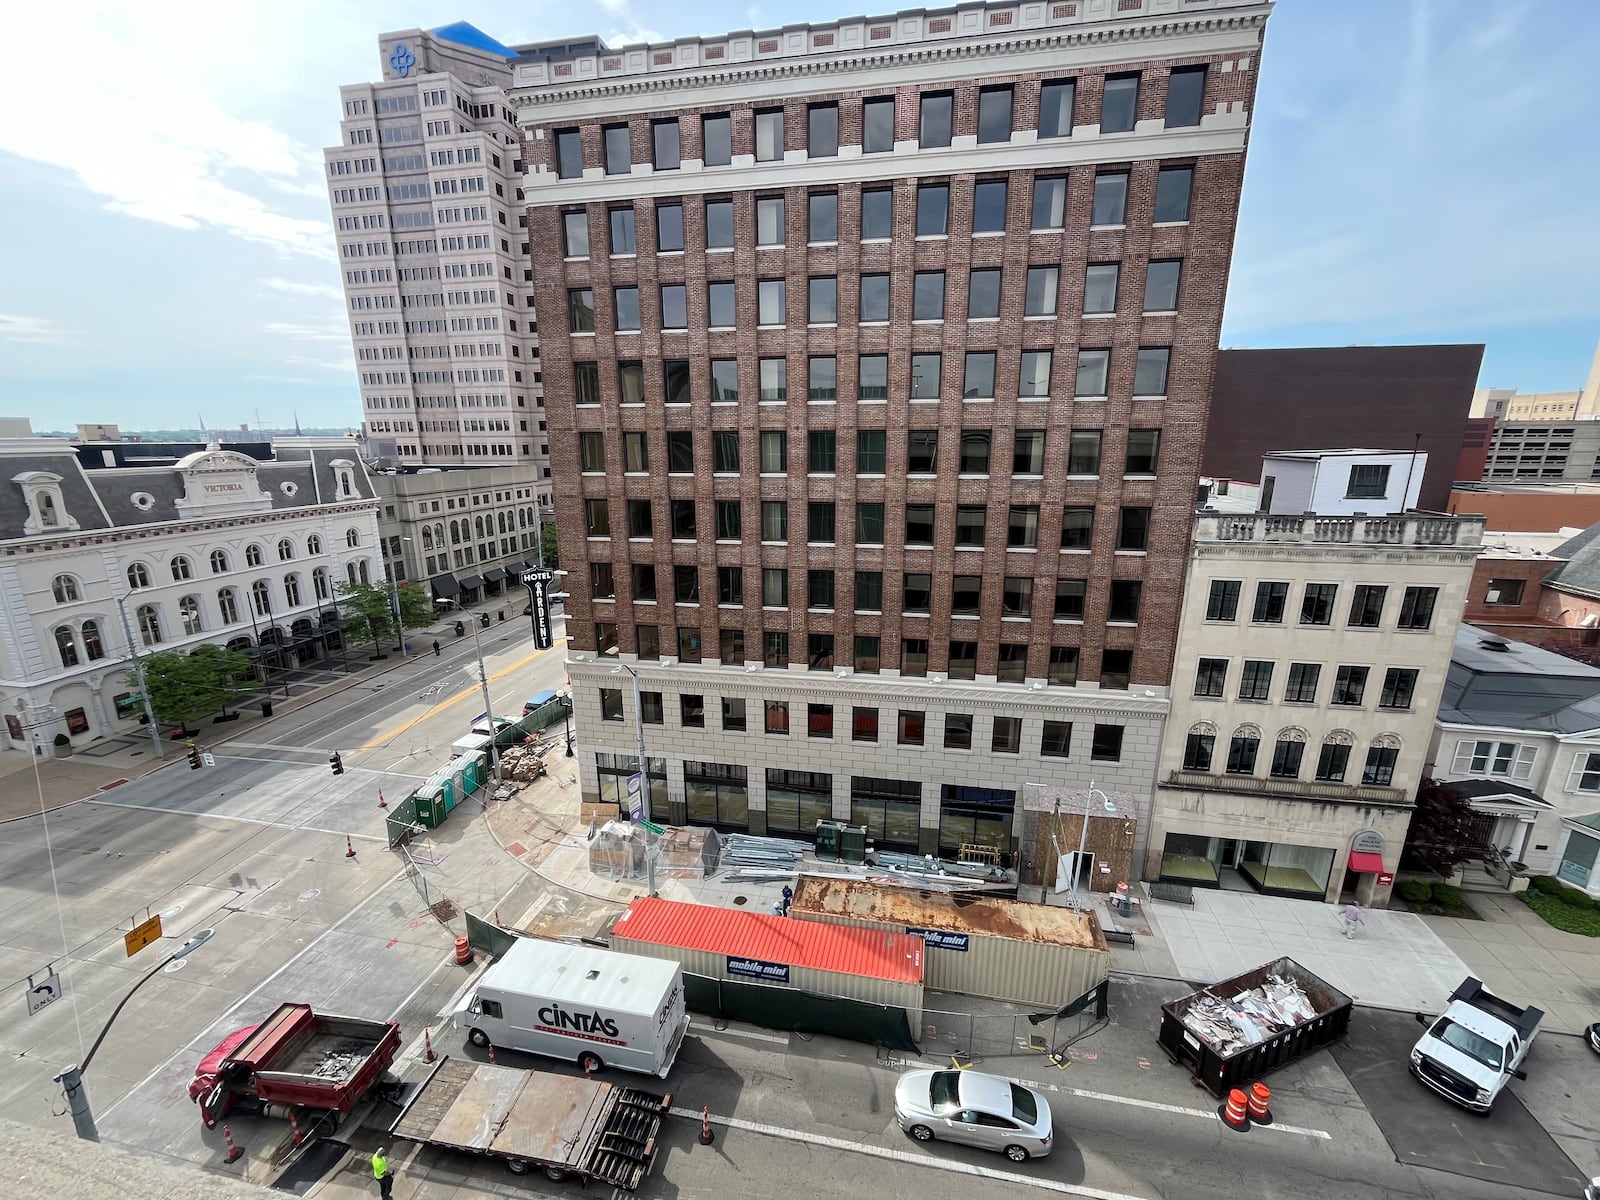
<point x="307" y="896"/>
<point x="444" y="909"/>
<point x="176" y="965"/>
<point x="739" y="899"/>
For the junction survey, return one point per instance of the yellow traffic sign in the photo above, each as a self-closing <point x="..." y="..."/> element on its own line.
<point x="140" y="936"/>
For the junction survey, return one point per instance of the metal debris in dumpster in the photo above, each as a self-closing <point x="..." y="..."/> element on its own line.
<point x="1244" y="1027"/>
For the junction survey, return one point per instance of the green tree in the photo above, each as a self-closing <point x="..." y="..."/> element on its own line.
<point x="185" y="687"/>
<point x="547" y="540"/>
<point x="1443" y="830"/>
<point x="368" y="610"/>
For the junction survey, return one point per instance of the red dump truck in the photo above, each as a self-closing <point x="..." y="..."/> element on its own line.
<point x="313" y="1064"/>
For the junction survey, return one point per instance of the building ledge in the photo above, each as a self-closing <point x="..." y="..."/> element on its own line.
<point x="1286" y="789"/>
<point x="1399" y="529"/>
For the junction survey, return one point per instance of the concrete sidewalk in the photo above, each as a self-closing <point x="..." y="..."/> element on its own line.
<point x="104" y="765"/>
<point x="1397" y="960"/>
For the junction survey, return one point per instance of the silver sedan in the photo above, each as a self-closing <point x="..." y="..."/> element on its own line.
<point x="975" y="1109"/>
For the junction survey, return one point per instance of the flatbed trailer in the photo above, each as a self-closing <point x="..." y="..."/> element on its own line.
<point x="565" y="1125"/>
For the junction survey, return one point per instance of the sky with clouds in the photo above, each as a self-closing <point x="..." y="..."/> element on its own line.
<point x="1419" y="171"/>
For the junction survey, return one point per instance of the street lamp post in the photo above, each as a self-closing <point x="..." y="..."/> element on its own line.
<point x="71" y="1077"/>
<point x="1083" y="832"/>
<point x="483" y="684"/>
<point x="394" y="593"/>
<point x="651" y="850"/>
<point x="138" y="671"/>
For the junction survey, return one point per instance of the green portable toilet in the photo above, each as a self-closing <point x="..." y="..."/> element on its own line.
<point x="431" y="809"/>
<point x="827" y="840"/>
<point x="853" y="843"/>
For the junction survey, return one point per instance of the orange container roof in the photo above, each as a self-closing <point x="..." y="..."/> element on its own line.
<point x="814" y="944"/>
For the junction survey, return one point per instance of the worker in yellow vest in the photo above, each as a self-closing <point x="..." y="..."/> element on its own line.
<point x="381" y="1172"/>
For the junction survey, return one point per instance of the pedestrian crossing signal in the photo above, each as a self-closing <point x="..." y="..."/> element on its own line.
<point x="194" y="757"/>
<point x="336" y="763"/>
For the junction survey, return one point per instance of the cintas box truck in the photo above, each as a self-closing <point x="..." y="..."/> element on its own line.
<point x="596" y="1008"/>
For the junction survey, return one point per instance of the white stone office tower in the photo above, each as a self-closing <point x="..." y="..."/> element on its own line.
<point x="434" y="255"/>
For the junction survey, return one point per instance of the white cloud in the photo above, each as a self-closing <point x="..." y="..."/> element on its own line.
<point x="308" y="333"/>
<point x="171" y="116"/>
<point x="35" y="330"/>
<point x="296" y="288"/>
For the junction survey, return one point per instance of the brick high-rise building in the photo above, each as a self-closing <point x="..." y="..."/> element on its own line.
<point x="878" y="359"/>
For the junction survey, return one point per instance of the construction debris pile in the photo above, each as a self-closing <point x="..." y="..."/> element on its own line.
<point x="1250" y="1017"/>
<point x="521" y="763"/>
<point x="341" y="1060"/>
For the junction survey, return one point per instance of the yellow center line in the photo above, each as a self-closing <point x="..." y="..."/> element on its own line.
<point x="474" y="690"/>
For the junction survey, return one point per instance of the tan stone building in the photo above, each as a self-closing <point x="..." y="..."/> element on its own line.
<point x="1310" y="663"/>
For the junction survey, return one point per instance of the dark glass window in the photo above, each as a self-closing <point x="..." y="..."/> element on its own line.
<point x="1186" y="91"/>
<point x="1301" y="687"/>
<point x="819" y="589"/>
<point x="1332" y="763"/>
<point x="1063" y="666"/>
<point x="1049" y="202"/>
<point x="1124" y="606"/>
<point x="927" y="371"/>
<point x="871" y="451"/>
<point x="933" y="210"/>
<point x="1120" y="107"/>
<point x="1094" y="370"/>
<point x="719" y="224"/>
<point x="822" y="131"/>
<point x="724" y="380"/>
<point x="569" y="154"/>
<point x="626" y="300"/>
<point x="877" y="213"/>
<point x="1223" y="602"/>
<point x="1056" y="741"/>
<point x="683" y="523"/>
<point x="1144" y="447"/>
<point x="1106" y="745"/>
<point x="619" y="152"/>
<point x="664" y="139"/>
<point x="1173" y="185"/>
<point x="1316" y="606"/>
<point x="983" y="293"/>
<point x="686" y="584"/>
<point x="922" y="451"/>
<point x="1286" y="757"/>
<point x="1242" y="755"/>
<point x="716" y="136"/>
<point x="994" y="114"/>
<point x="1197" y="751"/>
<point x="680" y="451"/>
<point x="1077" y="528"/>
<point x="1399" y="686"/>
<point x="675" y="380"/>
<point x="927" y="296"/>
<point x="1055" y="107"/>
<point x="869" y="591"/>
<point x="669" y="227"/>
<point x="1211" y="677"/>
<point x="1150" y="371"/>
<point x="822" y="217"/>
<point x="872" y="376"/>
<point x="989" y="206"/>
<point x="1379" y="768"/>
<point x="869" y="524"/>
<point x="1416" y="608"/>
<point x="977" y="381"/>
<point x="874" y="298"/>
<point x="820" y="520"/>
<point x="1110" y="198"/>
<point x="580" y="309"/>
<point x="919" y="524"/>
<point x="674" y="306"/>
<point x="934" y="126"/>
<point x="1161" y="285"/>
<point x="1069" y="599"/>
<point x="1270" y="601"/>
<point x="1366" y="606"/>
<point x="1255" y="680"/>
<point x="1349" y="686"/>
<point x="822" y="377"/>
<point x="1116" y="668"/>
<point x="917" y="592"/>
<point x="975" y="447"/>
<point x="877" y="125"/>
<point x="721" y="309"/>
<point x="1133" y="528"/>
<point x="575" y="232"/>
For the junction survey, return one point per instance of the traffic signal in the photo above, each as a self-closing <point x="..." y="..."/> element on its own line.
<point x="194" y="756"/>
<point x="336" y="763"/>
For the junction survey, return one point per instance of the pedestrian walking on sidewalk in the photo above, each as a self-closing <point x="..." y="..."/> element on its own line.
<point x="1350" y="917"/>
<point x="436" y="647"/>
<point x="381" y="1172"/>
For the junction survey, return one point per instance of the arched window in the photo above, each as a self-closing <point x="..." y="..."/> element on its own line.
<point x="455" y="533"/>
<point x="438" y="535"/>
<point x="253" y="556"/>
<point x="149" y="624"/>
<point x="314" y="544"/>
<point x="350" y="573"/>
<point x="93" y="648"/>
<point x="285" y="550"/>
<point x="319" y="582"/>
<point x="228" y="603"/>
<point x="138" y="576"/>
<point x="1333" y="760"/>
<point x="427" y="538"/>
<point x="365" y="578"/>
<point x="65" y="589"/>
<point x="500" y="521"/>
<point x="67" y="647"/>
<point x="478" y="524"/>
<point x="291" y="590"/>
<point x="352" y="538"/>
<point x="1200" y="746"/>
<point x="219" y="562"/>
<point x="189" y="614"/>
<point x="522" y="518"/>
<point x="182" y="568"/>
<point x="261" y="595"/>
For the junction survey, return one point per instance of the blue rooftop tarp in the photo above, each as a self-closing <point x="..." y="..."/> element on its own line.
<point x="463" y="34"/>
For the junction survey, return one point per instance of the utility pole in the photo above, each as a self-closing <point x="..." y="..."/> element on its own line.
<point x="144" y="690"/>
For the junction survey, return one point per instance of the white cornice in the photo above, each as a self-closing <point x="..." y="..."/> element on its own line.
<point x="1052" y="49"/>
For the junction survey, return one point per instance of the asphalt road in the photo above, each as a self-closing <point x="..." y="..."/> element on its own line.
<point x="255" y="847"/>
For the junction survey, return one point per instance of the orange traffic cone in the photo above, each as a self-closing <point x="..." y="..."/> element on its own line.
<point x="234" y="1153"/>
<point x="427" y="1046"/>
<point x="1260" y="1094"/>
<point x="349" y="847"/>
<point x="1233" y="1113"/>
<point x="706" y="1136"/>
<point x="382" y="803"/>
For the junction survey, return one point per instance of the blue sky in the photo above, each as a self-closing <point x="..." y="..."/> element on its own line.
<point x="1420" y="171"/>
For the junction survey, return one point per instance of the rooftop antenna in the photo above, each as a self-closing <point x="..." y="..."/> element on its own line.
<point x="1405" y="499"/>
<point x="297" y="423"/>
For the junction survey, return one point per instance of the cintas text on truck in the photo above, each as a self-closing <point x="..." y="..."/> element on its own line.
<point x="1475" y="1047"/>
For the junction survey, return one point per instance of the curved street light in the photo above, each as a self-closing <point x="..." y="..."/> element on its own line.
<point x="71" y="1077"/>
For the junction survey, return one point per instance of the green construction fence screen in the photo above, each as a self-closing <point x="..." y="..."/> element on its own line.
<point x="799" y="1012"/>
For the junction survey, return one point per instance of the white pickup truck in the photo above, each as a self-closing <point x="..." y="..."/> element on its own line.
<point x="1475" y="1047"/>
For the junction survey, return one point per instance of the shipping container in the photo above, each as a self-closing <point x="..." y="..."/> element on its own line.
<point x="976" y="945"/>
<point x="1213" y="1031"/>
<point x="728" y="944"/>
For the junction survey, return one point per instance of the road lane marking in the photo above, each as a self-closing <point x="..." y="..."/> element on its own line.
<point x="706" y="1027"/>
<point x="906" y="1157"/>
<point x="474" y="690"/>
<point x="184" y="812"/>
<point x="260" y="987"/>
<point x="1152" y="1106"/>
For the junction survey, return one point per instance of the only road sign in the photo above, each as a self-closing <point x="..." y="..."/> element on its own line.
<point x="44" y="994"/>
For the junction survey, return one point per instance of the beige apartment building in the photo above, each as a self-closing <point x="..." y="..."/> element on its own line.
<point x="1311" y="658"/>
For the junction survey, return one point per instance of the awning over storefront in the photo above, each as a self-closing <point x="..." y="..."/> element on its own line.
<point x="494" y="574"/>
<point x="445" y="585"/>
<point x="472" y="583"/>
<point x="1371" y="864"/>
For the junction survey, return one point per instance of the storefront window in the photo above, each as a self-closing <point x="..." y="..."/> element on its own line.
<point x="974" y="816"/>
<point x="797" y="800"/>
<point x="891" y="809"/>
<point x="614" y="769"/>
<point x="716" y="794"/>
<point x="1282" y="869"/>
<point x="1189" y="858"/>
